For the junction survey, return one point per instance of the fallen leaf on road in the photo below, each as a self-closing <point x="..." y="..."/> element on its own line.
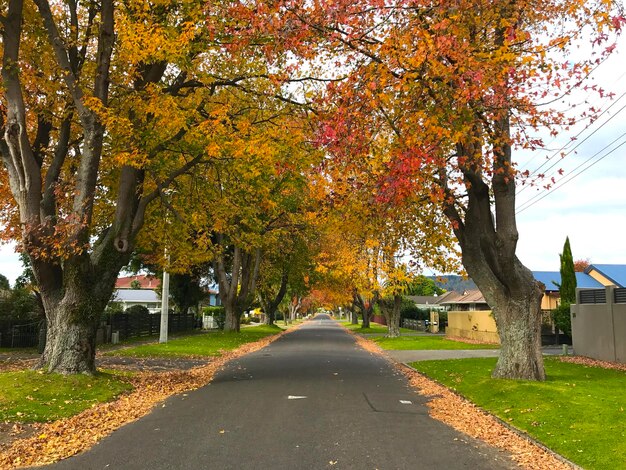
<point x="69" y="436"/>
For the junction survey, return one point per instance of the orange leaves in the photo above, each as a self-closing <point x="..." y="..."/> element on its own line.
<point x="62" y="439"/>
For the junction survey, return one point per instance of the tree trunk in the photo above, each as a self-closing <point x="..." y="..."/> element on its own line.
<point x="270" y="318"/>
<point x="519" y="328"/>
<point x="232" y="321"/>
<point x="70" y="339"/>
<point x="74" y="308"/>
<point x="486" y="229"/>
<point x="354" y="314"/>
<point x="366" y="317"/>
<point x="393" y="317"/>
<point x="237" y="289"/>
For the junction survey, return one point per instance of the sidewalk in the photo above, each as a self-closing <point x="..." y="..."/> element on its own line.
<point x="440" y="354"/>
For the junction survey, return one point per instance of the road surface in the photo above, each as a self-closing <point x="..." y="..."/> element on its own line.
<point x="311" y="400"/>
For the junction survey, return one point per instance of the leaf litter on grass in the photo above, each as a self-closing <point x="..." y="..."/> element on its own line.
<point x="462" y="415"/>
<point x="66" y="437"/>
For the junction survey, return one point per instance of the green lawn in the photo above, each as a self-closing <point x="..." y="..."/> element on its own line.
<point x="428" y="342"/>
<point x="374" y="328"/>
<point x="205" y="344"/>
<point x="29" y="396"/>
<point x="579" y="412"/>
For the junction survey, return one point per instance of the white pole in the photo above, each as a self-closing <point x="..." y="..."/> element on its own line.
<point x="165" y="293"/>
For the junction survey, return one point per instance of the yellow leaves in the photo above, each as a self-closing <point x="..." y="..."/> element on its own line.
<point x="133" y="158"/>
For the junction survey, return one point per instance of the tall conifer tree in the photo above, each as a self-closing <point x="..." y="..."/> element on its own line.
<point x="568" y="275"/>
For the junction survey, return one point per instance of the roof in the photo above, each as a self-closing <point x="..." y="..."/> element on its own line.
<point x="135" y="295"/>
<point x="146" y="281"/>
<point x="423" y="299"/>
<point x="473" y="296"/>
<point x="616" y="273"/>
<point x="552" y="280"/>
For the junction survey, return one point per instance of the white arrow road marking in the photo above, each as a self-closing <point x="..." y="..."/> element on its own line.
<point x="295" y="397"/>
<point x="406" y="402"/>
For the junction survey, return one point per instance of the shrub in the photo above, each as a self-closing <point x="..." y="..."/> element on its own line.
<point x="562" y="319"/>
<point x="414" y="313"/>
<point x="19" y="305"/>
<point x="137" y="310"/>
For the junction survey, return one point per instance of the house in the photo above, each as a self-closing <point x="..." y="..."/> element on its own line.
<point x="469" y="300"/>
<point x="469" y="316"/>
<point x="552" y="280"/>
<point x="129" y="297"/>
<point x="608" y="274"/>
<point x="430" y="302"/>
<point x="138" y="281"/>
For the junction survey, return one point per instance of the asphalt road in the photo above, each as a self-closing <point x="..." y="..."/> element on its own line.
<point x="311" y="400"/>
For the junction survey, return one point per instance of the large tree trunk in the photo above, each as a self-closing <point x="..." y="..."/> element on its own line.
<point x="71" y="335"/>
<point x="488" y="243"/>
<point x="519" y="328"/>
<point x="237" y="289"/>
<point x="232" y="321"/>
<point x="393" y="317"/>
<point x="74" y="307"/>
<point x="271" y="305"/>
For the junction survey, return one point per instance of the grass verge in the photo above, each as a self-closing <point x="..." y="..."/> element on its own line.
<point x="374" y="328"/>
<point x="579" y="412"/>
<point x="427" y="342"/>
<point x="30" y="396"/>
<point x="205" y="344"/>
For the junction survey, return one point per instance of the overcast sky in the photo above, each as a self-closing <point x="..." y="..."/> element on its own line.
<point x="590" y="209"/>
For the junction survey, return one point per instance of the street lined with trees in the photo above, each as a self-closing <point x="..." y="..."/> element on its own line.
<point x="296" y="153"/>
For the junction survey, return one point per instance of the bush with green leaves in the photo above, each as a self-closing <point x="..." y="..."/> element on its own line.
<point x="412" y="312"/>
<point x="137" y="310"/>
<point x="562" y="319"/>
<point x="19" y="305"/>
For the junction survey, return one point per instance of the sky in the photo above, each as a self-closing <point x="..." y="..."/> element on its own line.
<point x="590" y="209"/>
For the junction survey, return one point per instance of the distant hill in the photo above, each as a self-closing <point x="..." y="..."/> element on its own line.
<point x="453" y="282"/>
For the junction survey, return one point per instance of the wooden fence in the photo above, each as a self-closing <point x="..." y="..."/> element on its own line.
<point x="138" y="325"/>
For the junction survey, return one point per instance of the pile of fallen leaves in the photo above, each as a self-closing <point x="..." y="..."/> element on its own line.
<point x="587" y="361"/>
<point x="66" y="437"/>
<point x="464" y="416"/>
<point x="12" y="365"/>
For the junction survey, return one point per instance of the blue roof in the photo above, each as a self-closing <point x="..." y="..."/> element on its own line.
<point x="549" y="278"/>
<point x="613" y="272"/>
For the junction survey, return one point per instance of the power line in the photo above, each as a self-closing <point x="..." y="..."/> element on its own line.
<point x="579" y="143"/>
<point x="583" y="130"/>
<point x="531" y="202"/>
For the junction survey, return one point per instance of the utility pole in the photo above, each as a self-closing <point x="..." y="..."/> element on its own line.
<point x="165" y="294"/>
